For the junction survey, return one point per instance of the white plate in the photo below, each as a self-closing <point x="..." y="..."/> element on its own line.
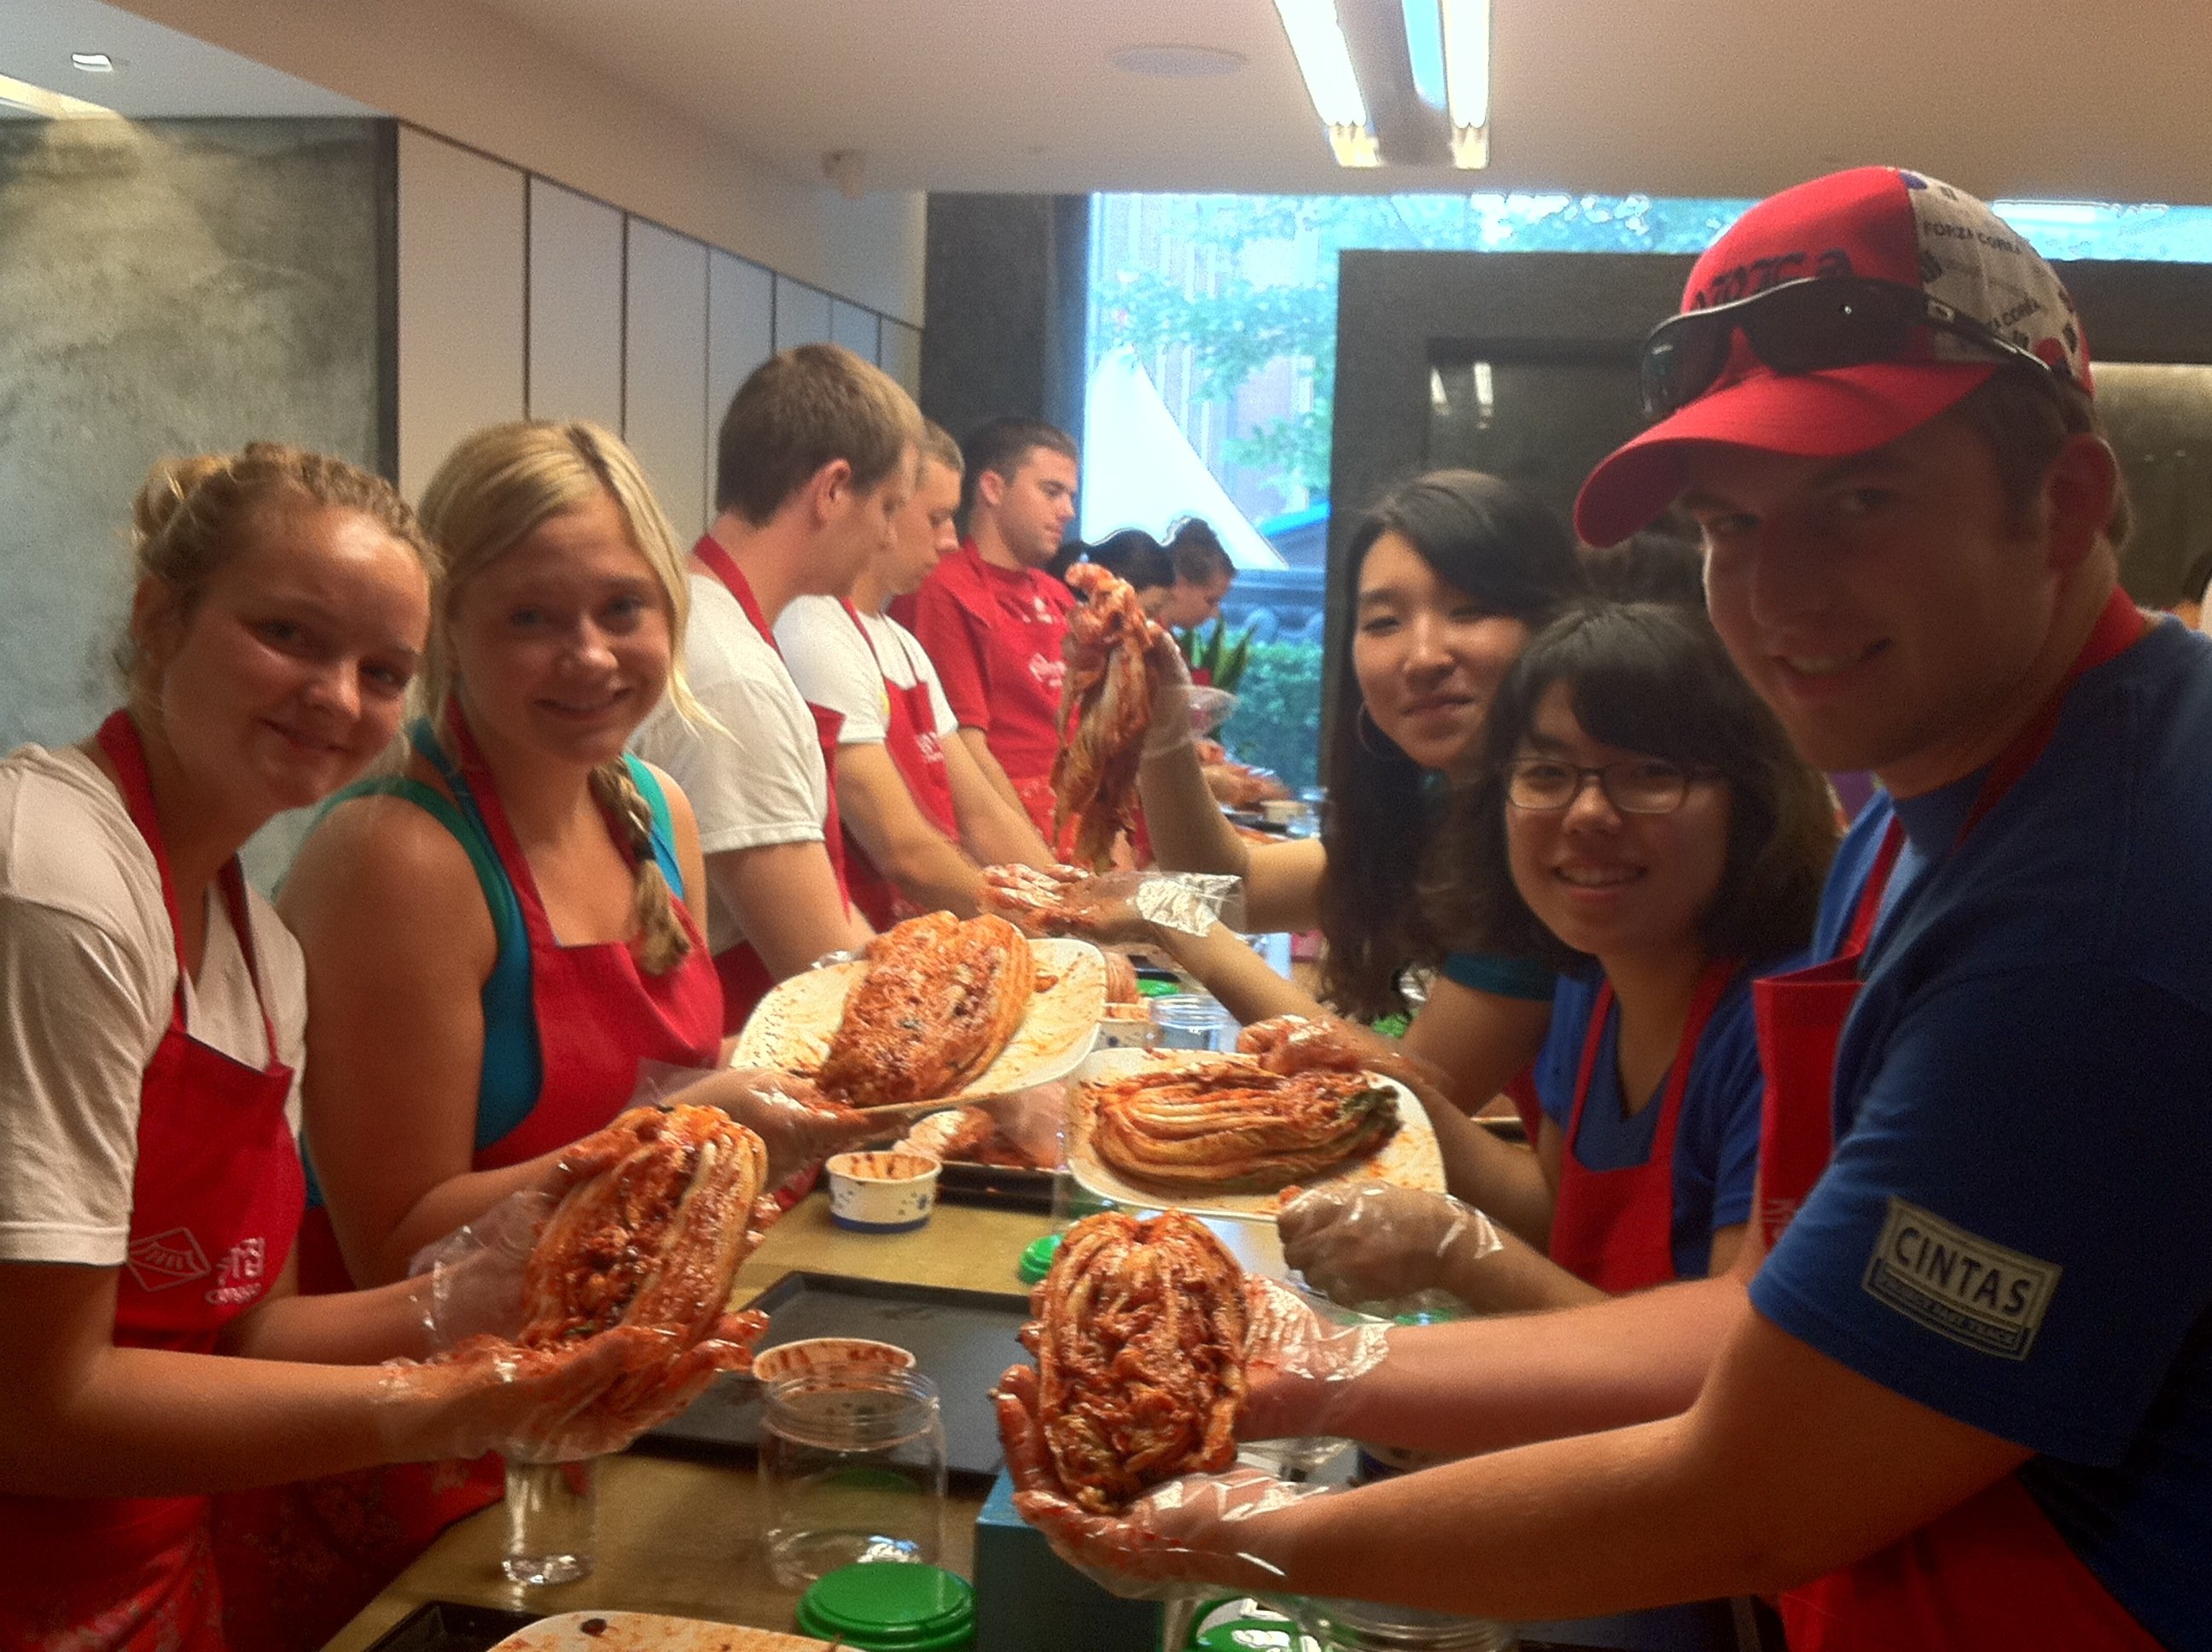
<point x="792" y="1027"/>
<point x="648" y="1632"/>
<point x="1408" y="1159"/>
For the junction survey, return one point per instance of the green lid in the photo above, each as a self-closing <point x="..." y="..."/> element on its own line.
<point x="1037" y="1257"/>
<point x="1157" y="987"/>
<point x="891" y="1605"/>
<point x="1247" y="1626"/>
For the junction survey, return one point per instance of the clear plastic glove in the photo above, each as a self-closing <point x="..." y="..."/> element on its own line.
<point x="1299" y="1365"/>
<point x="1374" y="1248"/>
<point x="475" y="1273"/>
<point x="798" y="1125"/>
<point x="1172" y="727"/>
<point x="1179" y="1541"/>
<point x="584" y="1401"/>
<point x="1114" y="910"/>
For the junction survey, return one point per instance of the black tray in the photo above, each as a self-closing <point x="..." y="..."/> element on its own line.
<point x="447" y="1626"/>
<point x="962" y="1340"/>
<point x="1008" y="1187"/>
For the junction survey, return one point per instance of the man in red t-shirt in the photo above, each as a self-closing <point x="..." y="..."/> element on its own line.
<point x="993" y="620"/>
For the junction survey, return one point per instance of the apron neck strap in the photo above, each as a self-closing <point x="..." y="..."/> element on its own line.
<point x="118" y="738"/>
<point x="1712" y="987"/>
<point x="2119" y="625"/>
<point x="715" y="558"/>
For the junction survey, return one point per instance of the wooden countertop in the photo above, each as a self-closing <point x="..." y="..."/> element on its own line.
<point x="683" y="1537"/>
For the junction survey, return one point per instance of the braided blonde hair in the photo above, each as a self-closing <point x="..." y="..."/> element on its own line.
<point x="492" y="492"/>
<point x="191" y="515"/>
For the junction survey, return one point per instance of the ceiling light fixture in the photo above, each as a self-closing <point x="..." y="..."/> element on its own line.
<point x="54" y="106"/>
<point x="1317" y="42"/>
<point x="1466" y="29"/>
<point x="93" y="63"/>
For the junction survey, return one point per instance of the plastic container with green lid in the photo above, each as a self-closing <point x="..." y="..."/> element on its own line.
<point x="1037" y="1257"/>
<point x="892" y="1606"/>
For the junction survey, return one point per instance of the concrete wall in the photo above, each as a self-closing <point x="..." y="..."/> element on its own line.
<point x="167" y="288"/>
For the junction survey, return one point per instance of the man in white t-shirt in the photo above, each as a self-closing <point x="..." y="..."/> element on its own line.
<point x="921" y="819"/>
<point x="813" y="463"/>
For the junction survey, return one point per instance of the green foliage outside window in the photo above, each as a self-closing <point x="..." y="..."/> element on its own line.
<point x="1277" y="722"/>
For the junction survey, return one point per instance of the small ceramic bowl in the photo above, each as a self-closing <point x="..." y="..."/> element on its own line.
<point x="824" y="1353"/>
<point x="890" y="1191"/>
<point x="1125" y="1027"/>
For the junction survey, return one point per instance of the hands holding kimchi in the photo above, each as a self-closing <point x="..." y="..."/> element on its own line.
<point x="1154" y="1354"/>
<point x="617" y="1316"/>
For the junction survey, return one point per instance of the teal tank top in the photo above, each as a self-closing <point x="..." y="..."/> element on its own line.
<point x="508" y="1082"/>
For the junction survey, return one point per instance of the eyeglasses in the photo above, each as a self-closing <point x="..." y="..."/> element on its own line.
<point x="1803" y="326"/>
<point x="1635" y="785"/>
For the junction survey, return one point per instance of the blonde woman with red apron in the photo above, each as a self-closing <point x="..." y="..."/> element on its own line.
<point x="146" y="1232"/>
<point x="517" y="897"/>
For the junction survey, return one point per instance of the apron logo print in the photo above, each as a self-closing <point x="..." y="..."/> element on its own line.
<point x="1048" y="672"/>
<point x="1958" y="1284"/>
<point x="240" y="1278"/>
<point x="167" y="1259"/>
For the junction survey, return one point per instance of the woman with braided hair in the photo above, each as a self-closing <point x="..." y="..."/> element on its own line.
<point x="496" y="938"/>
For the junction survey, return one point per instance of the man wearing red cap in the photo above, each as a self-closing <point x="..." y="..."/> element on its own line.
<point x="1961" y="1395"/>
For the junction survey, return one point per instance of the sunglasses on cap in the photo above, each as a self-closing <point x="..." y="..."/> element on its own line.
<point x="1803" y="326"/>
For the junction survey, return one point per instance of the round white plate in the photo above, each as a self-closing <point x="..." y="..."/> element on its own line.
<point x="792" y="1027"/>
<point x="1408" y="1159"/>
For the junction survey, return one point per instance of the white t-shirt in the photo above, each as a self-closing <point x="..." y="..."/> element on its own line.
<point x="835" y="668"/>
<point x="759" y="780"/>
<point x="88" y="983"/>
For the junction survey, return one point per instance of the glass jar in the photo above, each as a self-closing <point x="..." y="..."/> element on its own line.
<point x="1285" y="1624"/>
<point x="1365" y="1626"/>
<point x="852" y="1469"/>
<point x="1191" y="1021"/>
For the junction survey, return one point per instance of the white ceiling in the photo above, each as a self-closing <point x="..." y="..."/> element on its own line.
<point x="1679" y="97"/>
<point x="1675" y="97"/>
<point x="160" y="71"/>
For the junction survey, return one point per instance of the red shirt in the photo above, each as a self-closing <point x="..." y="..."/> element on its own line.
<point x="994" y="634"/>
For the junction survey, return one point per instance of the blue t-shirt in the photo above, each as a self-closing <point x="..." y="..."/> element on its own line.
<point x="1716" y="1140"/>
<point x="2016" y="1227"/>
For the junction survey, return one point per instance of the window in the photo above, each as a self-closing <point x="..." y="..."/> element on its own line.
<point x="1212" y="357"/>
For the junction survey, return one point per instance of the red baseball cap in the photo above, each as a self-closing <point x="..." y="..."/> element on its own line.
<point x="1876" y="222"/>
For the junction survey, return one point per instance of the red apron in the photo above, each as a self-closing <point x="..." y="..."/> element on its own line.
<point x="1992" y="1575"/>
<point x="917" y="750"/>
<point x="215" y="1201"/>
<point x="745" y="979"/>
<point x="1615" y="1228"/>
<point x="299" y="1560"/>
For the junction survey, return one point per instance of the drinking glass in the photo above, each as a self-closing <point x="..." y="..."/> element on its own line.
<point x="552" y="1521"/>
<point x="1191" y="1021"/>
<point x="852" y="1468"/>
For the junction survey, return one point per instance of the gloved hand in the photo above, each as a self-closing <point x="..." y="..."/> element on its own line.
<point x="578" y="1401"/>
<point x="1177" y="1541"/>
<point x="1114" y="909"/>
<point x="1299" y="1366"/>
<point x="1377" y="1245"/>
<point x="1170" y="730"/>
<point x="473" y="1276"/>
<point x="797" y="1124"/>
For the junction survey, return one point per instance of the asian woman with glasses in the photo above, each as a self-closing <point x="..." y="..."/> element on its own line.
<point x="1640" y="819"/>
